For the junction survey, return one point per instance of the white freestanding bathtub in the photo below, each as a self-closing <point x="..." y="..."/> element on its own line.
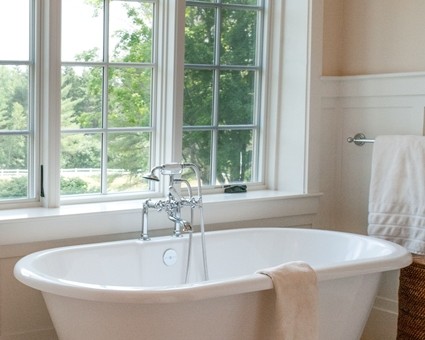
<point x="125" y="290"/>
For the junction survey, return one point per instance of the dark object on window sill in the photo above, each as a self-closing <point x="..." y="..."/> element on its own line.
<point x="235" y="188"/>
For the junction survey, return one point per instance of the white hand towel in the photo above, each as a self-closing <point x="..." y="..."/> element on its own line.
<point x="296" y="316"/>
<point x="397" y="191"/>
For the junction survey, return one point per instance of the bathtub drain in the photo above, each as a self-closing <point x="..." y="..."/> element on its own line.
<point x="170" y="257"/>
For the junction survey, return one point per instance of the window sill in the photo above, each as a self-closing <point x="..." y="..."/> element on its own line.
<point x="83" y="220"/>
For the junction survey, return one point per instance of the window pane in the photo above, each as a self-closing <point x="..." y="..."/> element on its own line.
<point x="200" y="35"/>
<point x="131" y="27"/>
<point x="14" y="89"/>
<point x="129" y="97"/>
<point x="81" y="97"/>
<point x="238" y="37"/>
<point x="198" y="97"/>
<point x="197" y="149"/>
<point x="14" y="30"/>
<point x="82" y="30"/>
<point x="236" y="97"/>
<point x="13" y="167"/>
<point x="80" y="163"/>
<point x="234" y="156"/>
<point x="128" y="153"/>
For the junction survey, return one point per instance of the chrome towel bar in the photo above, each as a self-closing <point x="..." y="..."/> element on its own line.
<point x="359" y="139"/>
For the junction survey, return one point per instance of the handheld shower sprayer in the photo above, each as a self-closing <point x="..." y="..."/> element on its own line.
<point x="172" y="169"/>
<point x="169" y="169"/>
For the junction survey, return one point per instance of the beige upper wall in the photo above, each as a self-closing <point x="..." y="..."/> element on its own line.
<point x="373" y="36"/>
<point x="332" y="37"/>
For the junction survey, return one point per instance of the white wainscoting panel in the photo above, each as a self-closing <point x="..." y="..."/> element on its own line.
<point x="375" y="105"/>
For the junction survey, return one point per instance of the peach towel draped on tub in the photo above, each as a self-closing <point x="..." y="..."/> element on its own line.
<point x="295" y="286"/>
<point x="397" y="191"/>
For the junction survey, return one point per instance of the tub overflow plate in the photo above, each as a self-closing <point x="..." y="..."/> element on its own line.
<point x="169" y="257"/>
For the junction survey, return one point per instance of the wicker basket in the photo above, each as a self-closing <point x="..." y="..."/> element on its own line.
<point x="411" y="313"/>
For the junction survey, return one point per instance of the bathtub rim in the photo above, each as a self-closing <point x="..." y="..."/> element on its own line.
<point x="398" y="258"/>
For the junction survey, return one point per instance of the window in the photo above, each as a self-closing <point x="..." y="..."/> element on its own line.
<point x="108" y="82"/>
<point x="17" y="136"/>
<point x="111" y="60"/>
<point x="289" y="90"/>
<point x="223" y="82"/>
